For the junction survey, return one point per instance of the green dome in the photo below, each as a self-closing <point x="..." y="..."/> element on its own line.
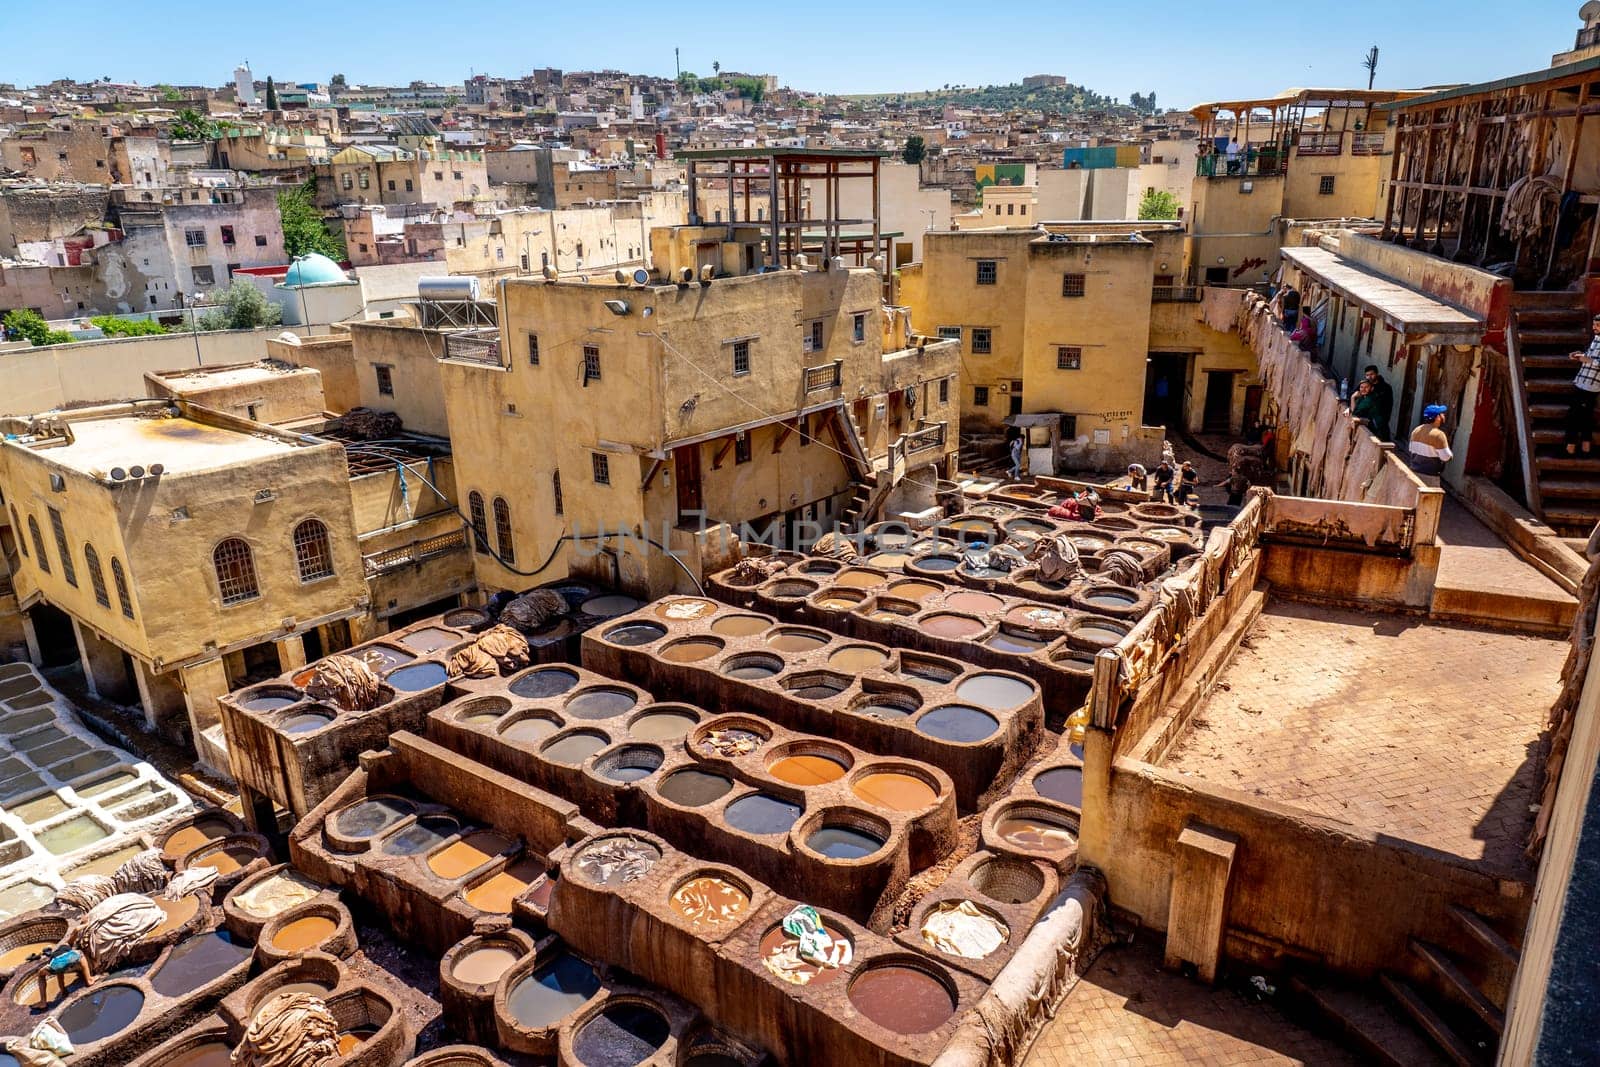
<point x="314" y="269"/>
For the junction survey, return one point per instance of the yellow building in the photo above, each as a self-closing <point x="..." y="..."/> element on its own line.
<point x="628" y="432"/>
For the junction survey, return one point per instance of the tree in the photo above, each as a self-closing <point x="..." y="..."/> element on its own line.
<point x="169" y="93"/>
<point x="30" y="326"/>
<point x="272" y="95"/>
<point x="716" y="68"/>
<point x="190" y="125"/>
<point x="915" y="149"/>
<point x="303" y="229"/>
<point x="1158" y="204"/>
<point x="242" y="308"/>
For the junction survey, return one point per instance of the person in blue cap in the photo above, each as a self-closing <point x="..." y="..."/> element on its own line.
<point x="1430" y="445"/>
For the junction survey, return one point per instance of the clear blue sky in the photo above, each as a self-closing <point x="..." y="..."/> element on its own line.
<point x="1186" y="52"/>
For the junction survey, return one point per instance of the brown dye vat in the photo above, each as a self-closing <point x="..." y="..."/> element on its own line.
<point x="710" y="903"/>
<point x="350" y="1040"/>
<point x="838" y="602"/>
<point x="942" y="625"/>
<point x="895" y="791"/>
<point x="544" y="887"/>
<point x="430" y="639"/>
<point x="976" y="603"/>
<point x="889" y="561"/>
<point x="483" y="966"/>
<point x="496" y="893"/>
<point x="661" y="725"/>
<point x="1037" y="615"/>
<point x="779" y="954"/>
<point x="807" y="770"/>
<point x="997" y="692"/>
<point x="915" y="590"/>
<point x="530" y="728"/>
<point x="691" y="651"/>
<point x="382" y="658"/>
<point x="610" y="605"/>
<point x="1102" y="633"/>
<point x="178" y="912"/>
<point x="1017" y="641"/>
<point x="740" y="625"/>
<point x="11" y="960"/>
<point x="311" y="989"/>
<point x="467" y="855"/>
<point x="693" y="789"/>
<point x="575" y="747"/>
<point x="902" y="998"/>
<point x="793" y="589"/>
<point x="858" y="579"/>
<point x="304" y="933"/>
<point x="210" y="1054"/>
<point x="301" y="678"/>
<point x="191" y="837"/>
<point x="858" y="658"/>
<point x="229" y="859"/>
<point x="1035" y="834"/>
<point x="796" y="641"/>
<point x="1061" y="784"/>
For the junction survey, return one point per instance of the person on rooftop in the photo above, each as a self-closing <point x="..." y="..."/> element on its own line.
<point x="1430" y="449"/>
<point x="1580" y="409"/>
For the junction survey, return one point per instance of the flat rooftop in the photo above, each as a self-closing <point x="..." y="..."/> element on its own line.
<point x="222" y="377"/>
<point x="1413" y="729"/>
<point x="181" y="445"/>
<point x="1400" y="306"/>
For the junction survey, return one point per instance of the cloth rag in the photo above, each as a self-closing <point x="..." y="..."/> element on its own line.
<point x="289" y="1030"/>
<point x="533" y="609"/>
<point x="345" y="681"/>
<point x="115" y="925"/>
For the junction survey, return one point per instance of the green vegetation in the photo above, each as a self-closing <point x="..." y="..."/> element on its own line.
<point x="243" y="308"/>
<point x="30" y="326"/>
<point x="112" y="326"/>
<point x="754" y="89"/>
<point x="997" y="98"/>
<point x="303" y="228"/>
<point x="190" y="125"/>
<point x="1144" y="103"/>
<point x="169" y="93"/>
<point x="915" y="149"/>
<point x="272" y="95"/>
<point x="690" y="82"/>
<point x="1158" y="204"/>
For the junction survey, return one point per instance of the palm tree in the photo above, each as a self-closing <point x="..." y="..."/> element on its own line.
<point x="716" y="68"/>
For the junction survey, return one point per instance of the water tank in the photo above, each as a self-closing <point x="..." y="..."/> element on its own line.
<point x="447" y="287"/>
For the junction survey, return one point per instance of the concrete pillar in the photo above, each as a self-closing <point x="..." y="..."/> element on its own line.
<point x="203" y="683"/>
<point x="291" y="652"/>
<point x="1197" y="915"/>
<point x="31" y="636"/>
<point x="161" y="696"/>
<point x="105" y="665"/>
<point x="364" y="628"/>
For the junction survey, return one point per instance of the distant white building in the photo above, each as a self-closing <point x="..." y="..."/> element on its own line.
<point x="244" y="85"/>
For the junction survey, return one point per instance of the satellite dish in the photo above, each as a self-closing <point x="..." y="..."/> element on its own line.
<point x="642" y="276"/>
<point x="117" y="474"/>
<point x="156" y="470"/>
<point x="136" y="470"/>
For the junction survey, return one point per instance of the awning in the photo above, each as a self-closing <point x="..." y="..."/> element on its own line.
<point x="1405" y="309"/>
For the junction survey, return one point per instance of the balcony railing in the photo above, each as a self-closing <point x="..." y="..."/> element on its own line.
<point x="1175" y="294"/>
<point x="393" y="559"/>
<point x="1366" y="144"/>
<point x="1254" y="163"/>
<point x="1320" y="144"/>
<point x="925" y="438"/>
<point x="827" y="376"/>
<point x="474" y="346"/>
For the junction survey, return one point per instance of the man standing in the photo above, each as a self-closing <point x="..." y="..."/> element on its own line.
<point x="1430" y="445"/>
<point x="1138" y="477"/>
<point x="1232" y="153"/>
<point x="1016" y="457"/>
<point x="1580" y="411"/>
<point x="1382" y="400"/>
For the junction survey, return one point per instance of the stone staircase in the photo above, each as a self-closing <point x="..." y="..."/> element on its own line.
<point x="1438" y="1006"/>
<point x="1563" y="490"/>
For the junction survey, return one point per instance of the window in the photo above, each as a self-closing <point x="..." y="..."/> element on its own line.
<point x="438" y="175"/>
<point x="203" y="276"/>
<point x="97" y="578"/>
<point x="950" y="333"/>
<point x="1325" y="185"/>
<point x="741" y="358"/>
<point x="385" y="380"/>
<point x="1011" y="209"/>
<point x="60" y="531"/>
<point x="1069" y="358"/>
<point x="312" y="553"/>
<point x="261" y="241"/>
<point x="236" y="571"/>
<point x="38" y="544"/>
<point x="348" y="183"/>
<point x="986" y="272"/>
<point x="1073" y="285"/>
<point x="365" y="182"/>
<point x="813" y="338"/>
<point x="602" y="468"/>
<point x="980" y="396"/>
<point x="194" y="238"/>
<point x="408" y="185"/>
<point x="982" y="340"/>
<point x="591" y="364"/>
<point x="1023" y="209"/>
<point x="456" y="174"/>
<point x="227" y="235"/>
<point x="944" y="390"/>
<point x="391" y="185"/>
<point x="480" y="521"/>
<point x="16" y="525"/>
<point x="741" y="448"/>
<point x="555" y="484"/>
<point x="120" y="580"/>
<point x="502" y="531"/>
<point x="858" y="327"/>
<point x="533" y="349"/>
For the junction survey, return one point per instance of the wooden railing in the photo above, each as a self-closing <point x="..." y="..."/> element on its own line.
<point x="826" y="376"/>
<point x="393" y="559"/>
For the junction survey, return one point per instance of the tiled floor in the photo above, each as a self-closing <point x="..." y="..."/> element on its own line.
<point x="1427" y="732"/>
<point x="1472" y="557"/>
<point x="1127" y="1012"/>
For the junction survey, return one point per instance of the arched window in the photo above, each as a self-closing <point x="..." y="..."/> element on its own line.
<point x="16" y="524"/>
<point x="38" y="544"/>
<point x="312" y="553"/>
<point x="502" y="530"/>
<point x="97" y="580"/>
<point x="236" y="571"/>
<point x="480" y="522"/>
<point x="120" y="580"/>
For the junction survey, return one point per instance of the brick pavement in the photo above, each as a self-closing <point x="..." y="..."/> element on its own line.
<point x="1427" y="732"/>
<point x="1128" y="1012"/>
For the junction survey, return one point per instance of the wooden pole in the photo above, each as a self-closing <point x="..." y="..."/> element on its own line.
<point x="1566" y="182"/>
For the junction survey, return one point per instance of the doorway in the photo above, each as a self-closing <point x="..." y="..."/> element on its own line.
<point x="1217" y="416"/>
<point x="1165" y="376"/>
<point x="686" y="460"/>
<point x="52" y="628"/>
<point x="1252" y="407"/>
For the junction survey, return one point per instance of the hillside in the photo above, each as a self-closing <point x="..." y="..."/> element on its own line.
<point x="995" y="97"/>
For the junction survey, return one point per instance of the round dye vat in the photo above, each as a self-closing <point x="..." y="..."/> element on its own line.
<point x="103" y="1013"/>
<point x="796" y="641"/>
<point x="623" y="1035"/>
<point x="1115" y="599"/>
<point x="630" y="764"/>
<point x="460" y="858"/>
<point x="635" y="633"/>
<point x="618" y="860"/>
<point x="807" y="770"/>
<point x="16" y="957"/>
<point x="752" y="668"/>
<point x="858" y="658"/>
<point x="201" y="832"/>
<point x="429" y="639"/>
<point x="995" y="691"/>
<point x="902" y="998"/>
<point x="352" y="1039"/>
<point x="198" y="961"/>
<point x="304" y="933"/>
<point x="894" y="790"/>
<point x="304" y="723"/>
<point x="268" y="702"/>
<point x="914" y="590"/>
<point x="740" y="625"/>
<point x="530" y="728"/>
<point x="936" y="563"/>
<point x="843" y="843"/>
<point x="684" y="609"/>
<point x="976" y="603"/>
<point x="838" y="602"/>
<point x="483" y="966"/>
<point x="601" y="702"/>
<point x="1076" y="660"/>
<point x="886" y="709"/>
<point x="1097" y="632"/>
<point x="780" y="954"/>
<point x="942" y="625"/>
<point x="889" y="561"/>
<point x="465" y="618"/>
<point x="1037" y="616"/>
<point x="573" y="748"/>
<point x="964" y="929"/>
<point x="381" y="657"/>
<point x="761" y="813"/>
<point x="536" y="685"/>
<point x="818" y="688"/>
<point x="919" y="670"/>
<point x="421" y="836"/>
<point x="275" y="893"/>
<point x="699" y="1059"/>
<point x="692" y="650"/>
<point x="1061" y="784"/>
<point x="417" y="677"/>
<point x="610" y="605"/>
<point x="957" y="722"/>
<point x="205" y="1054"/>
<point x="1014" y="641"/>
<point x="792" y="590"/>
<point x="497" y="892"/>
<point x="731" y="742"/>
<point x="176" y="913"/>
<point x="229" y="860"/>
<point x="662" y="725"/>
<point x="693" y="789"/>
<point x="709" y="902"/>
<point x="1035" y="834"/>
<point x="855" y="578"/>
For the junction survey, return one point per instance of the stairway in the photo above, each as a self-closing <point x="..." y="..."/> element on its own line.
<point x="1438" y="1006"/>
<point x="1563" y="490"/>
<point x="871" y="484"/>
